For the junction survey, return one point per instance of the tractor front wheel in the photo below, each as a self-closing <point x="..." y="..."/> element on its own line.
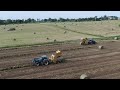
<point x="37" y="64"/>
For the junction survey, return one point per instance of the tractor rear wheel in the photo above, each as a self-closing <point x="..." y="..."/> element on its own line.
<point x="61" y="59"/>
<point x="46" y="63"/>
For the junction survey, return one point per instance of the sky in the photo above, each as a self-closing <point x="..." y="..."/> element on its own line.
<point x="54" y="14"/>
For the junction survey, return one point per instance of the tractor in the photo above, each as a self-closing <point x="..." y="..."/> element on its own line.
<point x="44" y="60"/>
<point x="86" y="41"/>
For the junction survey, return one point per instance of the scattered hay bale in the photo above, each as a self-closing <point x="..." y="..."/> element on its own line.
<point x="115" y="38"/>
<point x="65" y="32"/>
<point x="55" y="40"/>
<point x="12" y="29"/>
<point x="112" y="29"/>
<point x="47" y="38"/>
<point x="14" y="39"/>
<point x="14" y="67"/>
<point x="64" y="26"/>
<point x="83" y="76"/>
<point x="119" y="25"/>
<point x="34" y="32"/>
<point x="81" y="43"/>
<point x="81" y="38"/>
<point x="100" y="47"/>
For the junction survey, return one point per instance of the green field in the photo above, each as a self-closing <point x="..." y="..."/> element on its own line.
<point x="24" y="33"/>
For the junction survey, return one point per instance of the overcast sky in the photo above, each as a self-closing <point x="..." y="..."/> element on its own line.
<point x="54" y="14"/>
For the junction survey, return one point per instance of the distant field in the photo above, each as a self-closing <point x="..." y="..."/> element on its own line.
<point x="26" y="34"/>
<point x="100" y="28"/>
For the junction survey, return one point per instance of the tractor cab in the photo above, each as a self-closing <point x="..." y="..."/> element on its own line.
<point x="44" y="57"/>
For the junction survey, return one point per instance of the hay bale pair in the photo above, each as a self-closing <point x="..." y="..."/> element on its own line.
<point x="12" y="29"/>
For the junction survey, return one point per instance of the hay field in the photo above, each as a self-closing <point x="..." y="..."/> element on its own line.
<point x="27" y="34"/>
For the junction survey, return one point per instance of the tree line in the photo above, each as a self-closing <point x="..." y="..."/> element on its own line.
<point x="30" y="20"/>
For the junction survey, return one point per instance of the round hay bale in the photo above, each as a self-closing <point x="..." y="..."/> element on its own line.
<point x="47" y="38"/>
<point x="65" y="32"/>
<point x="100" y="47"/>
<point x="119" y="25"/>
<point x="115" y="38"/>
<point x="55" y="40"/>
<point x="14" y="39"/>
<point x="81" y="43"/>
<point x="81" y="38"/>
<point x="14" y="67"/>
<point x="83" y="76"/>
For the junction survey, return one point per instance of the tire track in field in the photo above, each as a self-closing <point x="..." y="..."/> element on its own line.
<point x="27" y="60"/>
<point x="64" y="71"/>
<point x="103" y="72"/>
<point x="70" y="64"/>
<point x="76" y="55"/>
